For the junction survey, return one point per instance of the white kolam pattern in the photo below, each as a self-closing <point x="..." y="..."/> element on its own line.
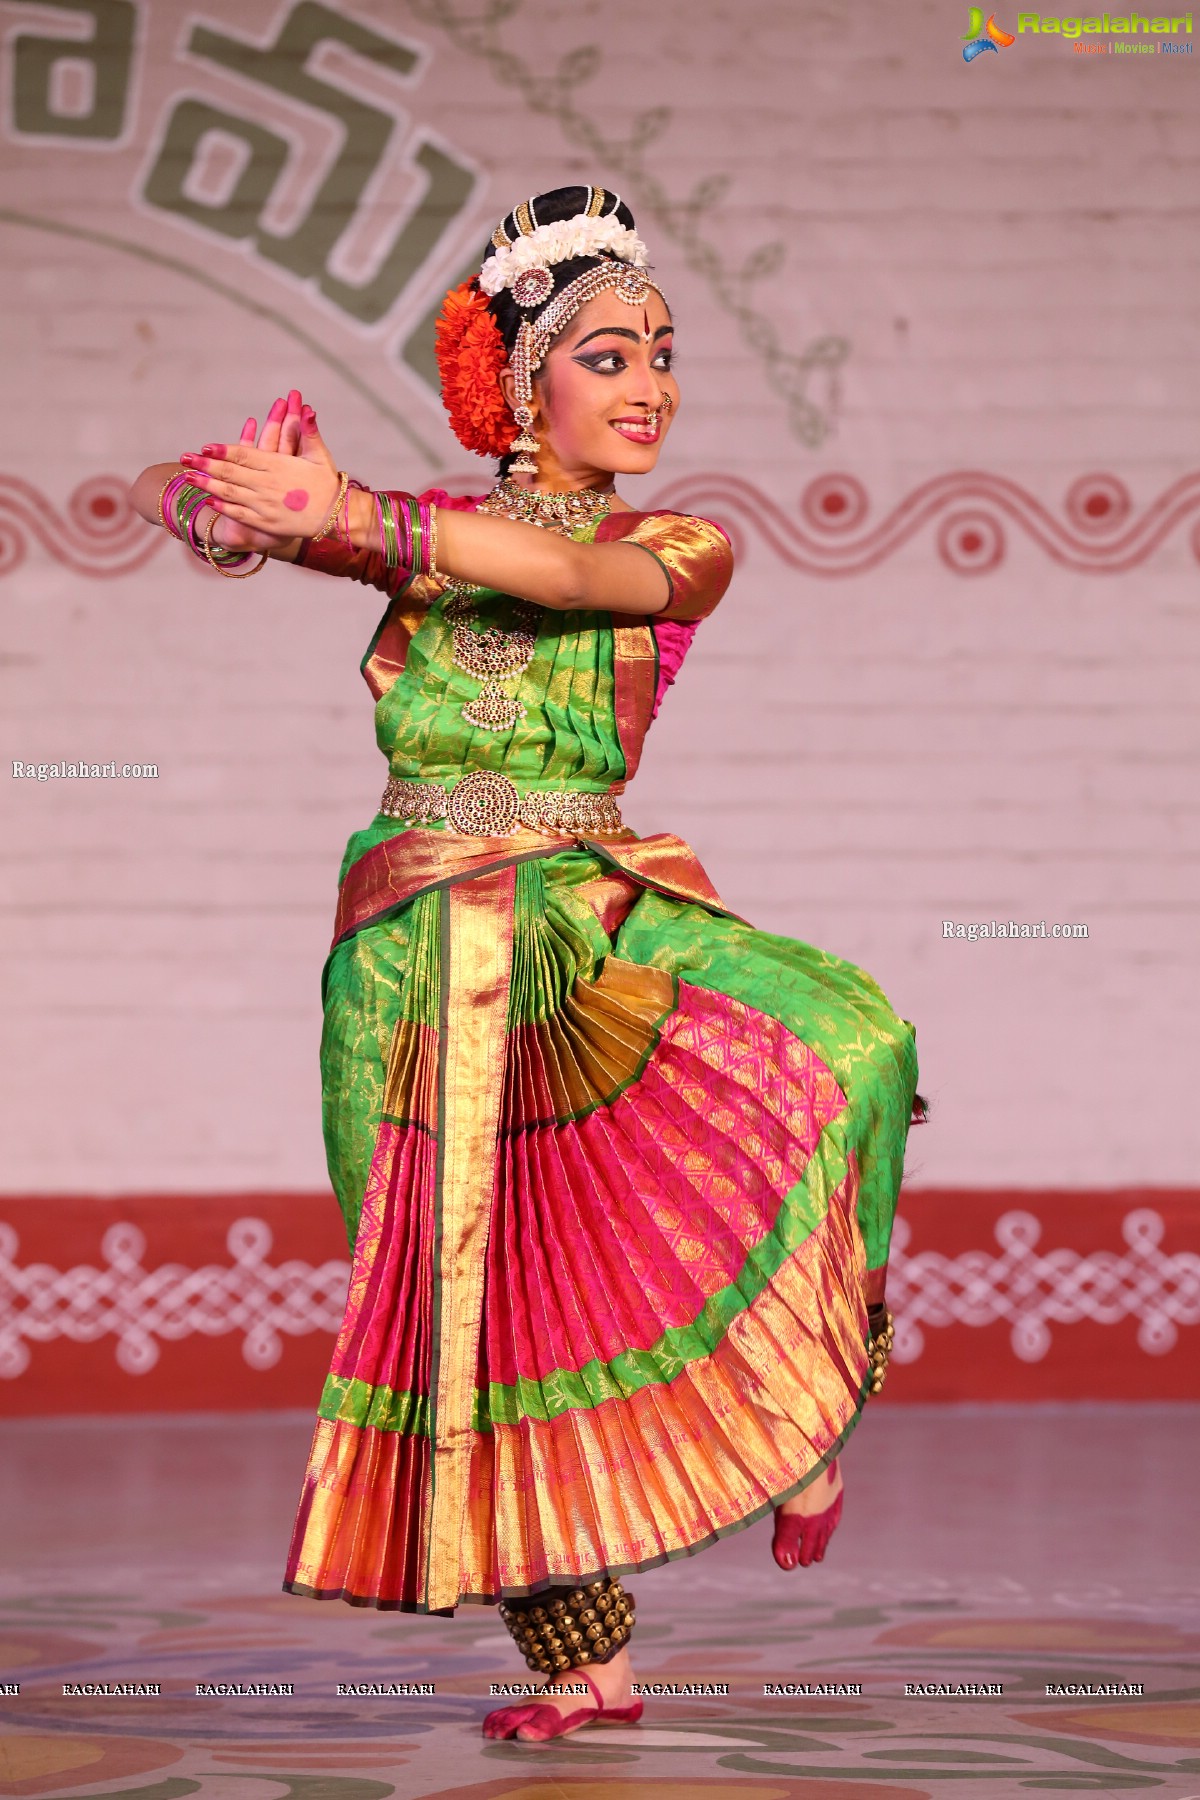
<point x="142" y="1307"/>
<point x="1032" y="1289"/>
<point x="1029" y="1289"/>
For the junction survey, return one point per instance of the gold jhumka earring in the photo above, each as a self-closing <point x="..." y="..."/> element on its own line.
<point x="526" y="445"/>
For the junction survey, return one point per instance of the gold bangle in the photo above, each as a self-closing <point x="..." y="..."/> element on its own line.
<point x="431" y="560"/>
<point x="229" y="574"/>
<point x="331" y="521"/>
<point x="162" y="494"/>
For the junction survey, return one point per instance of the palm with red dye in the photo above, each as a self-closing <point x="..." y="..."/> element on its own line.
<point x="282" y="487"/>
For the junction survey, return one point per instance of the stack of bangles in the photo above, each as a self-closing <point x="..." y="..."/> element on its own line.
<point x="407" y="529"/>
<point x="179" y="508"/>
<point x="407" y="533"/>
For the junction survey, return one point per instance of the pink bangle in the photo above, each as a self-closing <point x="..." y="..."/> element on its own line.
<point x="166" y="500"/>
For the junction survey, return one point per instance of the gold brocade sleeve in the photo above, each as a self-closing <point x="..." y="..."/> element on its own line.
<point x="696" y="555"/>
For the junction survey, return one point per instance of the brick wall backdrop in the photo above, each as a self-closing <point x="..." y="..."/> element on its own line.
<point x="941" y="364"/>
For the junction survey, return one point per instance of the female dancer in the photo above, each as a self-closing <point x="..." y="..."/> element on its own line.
<point x="618" y="1171"/>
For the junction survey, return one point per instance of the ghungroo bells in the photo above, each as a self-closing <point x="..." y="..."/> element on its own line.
<point x="882" y="1330"/>
<point x="567" y="1628"/>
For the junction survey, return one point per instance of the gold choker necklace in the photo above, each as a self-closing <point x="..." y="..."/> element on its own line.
<point x="494" y="654"/>
<point x="563" y="512"/>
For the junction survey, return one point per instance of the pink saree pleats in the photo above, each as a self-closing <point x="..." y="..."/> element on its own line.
<point x="607" y="1290"/>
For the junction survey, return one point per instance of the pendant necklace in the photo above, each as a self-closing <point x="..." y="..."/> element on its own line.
<point x="493" y="655"/>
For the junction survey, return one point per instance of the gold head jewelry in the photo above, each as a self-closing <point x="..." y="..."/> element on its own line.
<point x="523" y="265"/>
<point x="536" y="335"/>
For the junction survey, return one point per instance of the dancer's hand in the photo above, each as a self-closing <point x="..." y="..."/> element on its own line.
<point x="285" y="423"/>
<point x="281" y="434"/>
<point x="267" y="490"/>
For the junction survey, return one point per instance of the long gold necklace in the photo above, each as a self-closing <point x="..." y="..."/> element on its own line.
<point x="493" y="655"/>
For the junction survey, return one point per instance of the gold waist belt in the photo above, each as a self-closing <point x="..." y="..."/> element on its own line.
<point x="484" y="804"/>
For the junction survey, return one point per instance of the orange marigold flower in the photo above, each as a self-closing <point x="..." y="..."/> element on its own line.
<point x="470" y="355"/>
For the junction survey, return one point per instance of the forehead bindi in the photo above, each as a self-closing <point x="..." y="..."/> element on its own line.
<point x="608" y="315"/>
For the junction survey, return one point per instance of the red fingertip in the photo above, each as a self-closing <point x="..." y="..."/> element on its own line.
<point x="278" y="409"/>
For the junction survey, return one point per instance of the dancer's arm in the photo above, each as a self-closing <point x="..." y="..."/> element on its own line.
<point x="268" y="492"/>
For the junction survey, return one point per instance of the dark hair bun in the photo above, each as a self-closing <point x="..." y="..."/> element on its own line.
<point x="564" y="203"/>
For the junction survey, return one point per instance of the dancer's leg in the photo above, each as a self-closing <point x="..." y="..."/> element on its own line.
<point x="820" y="1501"/>
<point x="569" y="1629"/>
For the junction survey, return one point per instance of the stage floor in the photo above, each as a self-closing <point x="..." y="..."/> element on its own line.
<point x="1025" y="1546"/>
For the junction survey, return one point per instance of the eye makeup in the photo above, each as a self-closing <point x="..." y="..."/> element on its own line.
<point x="595" y="358"/>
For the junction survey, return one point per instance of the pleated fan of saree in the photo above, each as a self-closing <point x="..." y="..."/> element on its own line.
<point x="618" y="1171"/>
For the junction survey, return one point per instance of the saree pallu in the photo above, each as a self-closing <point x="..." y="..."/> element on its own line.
<point x="618" y="1173"/>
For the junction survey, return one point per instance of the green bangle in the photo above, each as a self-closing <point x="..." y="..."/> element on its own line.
<point x="387" y="517"/>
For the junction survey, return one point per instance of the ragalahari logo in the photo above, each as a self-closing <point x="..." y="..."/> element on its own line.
<point x="984" y="37"/>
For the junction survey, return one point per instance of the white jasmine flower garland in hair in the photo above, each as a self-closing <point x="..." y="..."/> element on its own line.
<point x="550" y="244"/>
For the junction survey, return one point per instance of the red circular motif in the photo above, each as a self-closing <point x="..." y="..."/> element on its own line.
<point x="970" y="543"/>
<point x="834" y="503"/>
<point x="1097" y="503"/>
<point x="100" y="509"/>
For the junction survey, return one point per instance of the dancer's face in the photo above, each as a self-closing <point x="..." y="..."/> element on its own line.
<point x="602" y="375"/>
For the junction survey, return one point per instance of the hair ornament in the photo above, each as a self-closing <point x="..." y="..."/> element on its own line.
<point x="470" y="354"/>
<point x="536" y="335"/>
<point x="525" y="266"/>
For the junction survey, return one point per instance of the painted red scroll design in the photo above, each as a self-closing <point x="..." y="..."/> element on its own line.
<point x="970" y="512"/>
<point x="97" y="533"/>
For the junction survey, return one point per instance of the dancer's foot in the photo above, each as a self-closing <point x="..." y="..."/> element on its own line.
<point x="609" y="1699"/>
<point x="805" y="1523"/>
